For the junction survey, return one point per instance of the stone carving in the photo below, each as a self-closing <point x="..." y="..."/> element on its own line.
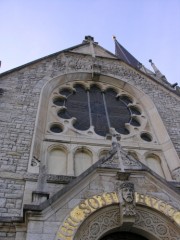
<point x="129" y="161"/>
<point x="127" y="189"/>
<point x="35" y="162"/>
<point x="127" y="199"/>
<point x="82" y="211"/>
<point x="89" y="208"/>
<point x="151" y="222"/>
<point x="59" y="178"/>
<point x="111" y="161"/>
<point x="159" y="205"/>
<point x="146" y="187"/>
<point x="101" y="223"/>
<point x="108" y="219"/>
<point x="176" y="174"/>
<point x="50" y="178"/>
<point x="118" y="158"/>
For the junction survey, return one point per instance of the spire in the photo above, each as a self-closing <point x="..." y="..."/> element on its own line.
<point x="124" y="55"/>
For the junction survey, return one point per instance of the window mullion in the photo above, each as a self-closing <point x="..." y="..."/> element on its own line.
<point x="89" y="108"/>
<point x="106" y="111"/>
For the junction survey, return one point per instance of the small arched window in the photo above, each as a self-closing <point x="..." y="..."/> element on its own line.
<point x="82" y="161"/>
<point x="154" y="163"/>
<point x="57" y="162"/>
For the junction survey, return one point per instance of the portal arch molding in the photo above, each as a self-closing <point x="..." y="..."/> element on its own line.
<point x="148" y="224"/>
<point x="95" y="217"/>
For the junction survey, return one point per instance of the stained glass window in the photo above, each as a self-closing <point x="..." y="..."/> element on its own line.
<point x="102" y="110"/>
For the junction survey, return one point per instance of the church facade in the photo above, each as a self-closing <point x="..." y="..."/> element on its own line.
<point x="90" y="147"/>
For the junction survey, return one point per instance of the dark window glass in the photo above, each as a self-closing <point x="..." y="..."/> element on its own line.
<point x="56" y="128"/>
<point x="104" y="109"/>
<point x="59" y="101"/>
<point x="118" y="112"/>
<point x="135" y="110"/>
<point x="77" y="107"/>
<point x="123" y="236"/>
<point x="98" y="113"/>
<point x="146" y="137"/>
<point x="63" y="113"/>
<point x="65" y="91"/>
<point x="134" y="122"/>
<point x="125" y="99"/>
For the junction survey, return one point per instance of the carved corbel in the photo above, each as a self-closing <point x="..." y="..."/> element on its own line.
<point x="35" y="162"/>
<point x="127" y="204"/>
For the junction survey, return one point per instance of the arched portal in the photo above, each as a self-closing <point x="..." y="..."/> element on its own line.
<point x="106" y="224"/>
<point x="123" y="236"/>
<point x="100" y="215"/>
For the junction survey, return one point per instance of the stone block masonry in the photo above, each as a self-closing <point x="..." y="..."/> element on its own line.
<point x="19" y="104"/>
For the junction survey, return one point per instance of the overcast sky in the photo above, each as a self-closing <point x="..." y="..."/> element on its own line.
<point x="146" y="28"/>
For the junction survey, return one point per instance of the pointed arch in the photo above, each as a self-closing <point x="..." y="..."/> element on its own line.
<point x="160" y="132"/>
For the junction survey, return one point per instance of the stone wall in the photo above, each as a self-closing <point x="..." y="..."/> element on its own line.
<point x="7" y="231"/>
<point x="19" y="104"/>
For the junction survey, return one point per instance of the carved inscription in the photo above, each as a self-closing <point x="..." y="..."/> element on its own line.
<point x="159" y="205"/>
<point x="82" y="211"/>
<point x="88" y="206"/>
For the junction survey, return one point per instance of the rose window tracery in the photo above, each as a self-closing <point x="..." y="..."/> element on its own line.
<point x="104" y="110"/>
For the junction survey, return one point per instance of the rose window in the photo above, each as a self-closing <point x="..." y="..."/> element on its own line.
<point x="93" y="107"/>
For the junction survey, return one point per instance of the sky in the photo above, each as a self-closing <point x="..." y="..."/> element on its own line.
<point x="148" y="29"/>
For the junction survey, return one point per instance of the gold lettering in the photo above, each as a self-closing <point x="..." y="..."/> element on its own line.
<point x="86" y="209"/>
<point x="141" y="198"/>
<point x="109" y="198"/>
<point x="115" y="197"/>
<point x="67" y="231"/>
<point x="153" y="202"/>
<point x="170" y="211"/>
<point x="93" y="203"/>
<point x="162" y="206"/>
<point x="77" y="215"/>
<point x="176" y="218"/>
<point x="101" y="200"/>
<point x="62" y="237"/>
<point x="71" y="222"/>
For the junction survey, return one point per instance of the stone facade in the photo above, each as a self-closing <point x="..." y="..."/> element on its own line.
<point x="25" y="112"/>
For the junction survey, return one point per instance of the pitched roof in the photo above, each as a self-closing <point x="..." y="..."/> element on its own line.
<point x="124" y="55"/>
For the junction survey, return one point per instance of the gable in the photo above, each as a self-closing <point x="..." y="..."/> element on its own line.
<point x="105" y="176"/>
<point x="95" y="49"/>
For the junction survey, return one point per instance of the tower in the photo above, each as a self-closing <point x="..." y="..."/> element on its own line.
<point x="90" y="148"/>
